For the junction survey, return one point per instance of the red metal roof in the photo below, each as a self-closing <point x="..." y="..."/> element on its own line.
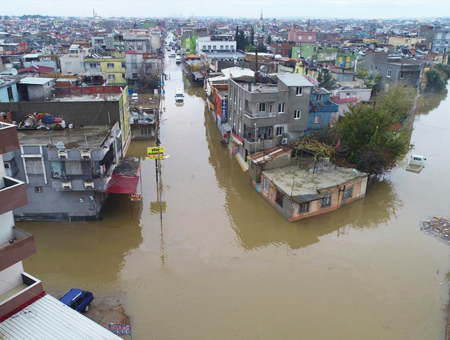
<point x="343" y="100"/>
<point x="37" y="69"/>
<point x="122" y="184"/>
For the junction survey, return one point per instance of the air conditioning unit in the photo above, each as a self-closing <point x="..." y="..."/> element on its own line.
<point x="85" y="154"/>
<point x="284" y="141"/>
<point x="62" y="154"/>
<point x="66" y="185"/>
<point x="89" y="184"/>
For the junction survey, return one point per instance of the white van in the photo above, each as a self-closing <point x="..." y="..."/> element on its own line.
<point x="179" y="95"/>
<point x="178" y="59"/>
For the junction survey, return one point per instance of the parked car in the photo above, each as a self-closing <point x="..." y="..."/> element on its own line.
<point x="172" y="55"/>
<point x="179" y="95"/>
<point x="78" y="299"/>
<point x="134" y="96"/>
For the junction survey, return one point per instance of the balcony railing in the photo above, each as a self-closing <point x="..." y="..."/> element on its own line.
<point x="259" y="115"/>
<point x="21" y="246"/>
<point x="8" y="138"/>
<point x="11" y="302"/>
<point x="13" y="195"/>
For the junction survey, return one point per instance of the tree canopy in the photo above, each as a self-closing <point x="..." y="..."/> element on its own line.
<point x="326" y="79"/>
<point x="373" y="133"/>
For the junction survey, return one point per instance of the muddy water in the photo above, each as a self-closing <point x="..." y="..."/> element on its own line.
<point x="224" y="265"/>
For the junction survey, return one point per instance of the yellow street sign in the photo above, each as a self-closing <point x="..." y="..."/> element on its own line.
<point x="155" y="152"/>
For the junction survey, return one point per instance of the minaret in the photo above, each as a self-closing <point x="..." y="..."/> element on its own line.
<point x="261" y="20"/>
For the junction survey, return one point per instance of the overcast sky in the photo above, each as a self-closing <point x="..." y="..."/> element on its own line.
<point x="368" y="9"/>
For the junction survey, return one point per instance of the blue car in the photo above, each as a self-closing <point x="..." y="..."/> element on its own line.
<point x="78" y="299"/>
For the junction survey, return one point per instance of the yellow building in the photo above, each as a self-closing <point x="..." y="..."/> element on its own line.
<point x="113" y="67"/>
<point x="405" y="41"/>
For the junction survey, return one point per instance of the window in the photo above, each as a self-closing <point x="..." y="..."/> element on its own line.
<point x="299" y="37"/>
<point x="316" y="119"/>
<point x="303" y="208"/>
<point x="10" y="93"/>
<point x="326" y="202"/>
<point x="281" y="108"/>
<point x="262" y="107"/>
<point x="348" y="193"/>
<point x="280" y="131"/>
<point x="110" y="65"/>
<point x="93" y="65"/>
<point x="279" y="198"/>
<point x="38" y="190"/>
<point x="73" y="168"/>
<point x="214" y="47"/>
<point x="240" y="104"/>
<point x="299" y="91"/>
<point x="298" y="114"/>
<point x="139" y="47"/>
<point x="270" y="107"/>
<point x="265" y="185"/>
<point x="319" y="97"/>
<point x="401" y="75"/>
<point x="111" y="77"/>
<point x="134" y="75"/>
<point x="389" y="73"/>
<point x="33" y="166"/>
<point x="209" y="47"/>
<point x="134" y="66"/>
<point x="221" y="47"/>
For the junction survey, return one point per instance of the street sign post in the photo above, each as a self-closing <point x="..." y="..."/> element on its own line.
<point x="155" y="152"/>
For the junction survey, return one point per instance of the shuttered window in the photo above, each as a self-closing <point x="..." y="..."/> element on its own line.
<point x="34" y="166"/>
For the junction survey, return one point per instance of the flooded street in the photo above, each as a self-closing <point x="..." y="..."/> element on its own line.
<point x="225" y="265"/>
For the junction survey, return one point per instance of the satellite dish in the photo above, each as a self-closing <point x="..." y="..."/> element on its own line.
<point x="263" y="69"/>
<point x="14" y="72"/>
<point x="60" y="146"/>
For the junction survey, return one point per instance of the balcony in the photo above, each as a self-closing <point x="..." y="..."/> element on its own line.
<point x="13" y="195"/>
<point x="259" y="115"/>
<point x="8" y="138"/>
<point x="13" y="301"/>
<point x="22" y="246"/>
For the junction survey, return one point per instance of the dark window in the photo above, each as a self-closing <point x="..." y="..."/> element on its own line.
<point x="79" y="301"/>
<point x="279" y="198"/>
<point x="348" y="193"/>
<point x="326" y="202"/>
<point x="304" y="207"/>
<point x="38" y="190"/>
<point x="10" y="93"/>
<point x="72" y="305"/>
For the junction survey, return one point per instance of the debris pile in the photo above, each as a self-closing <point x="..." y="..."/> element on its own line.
<point x="438" y="227"/>
<point x="42" y="121"/>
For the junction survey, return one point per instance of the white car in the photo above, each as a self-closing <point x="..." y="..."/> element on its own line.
<point x="134" y="96"/>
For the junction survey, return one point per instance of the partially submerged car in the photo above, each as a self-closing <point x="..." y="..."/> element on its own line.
<point x="78" y="299"/>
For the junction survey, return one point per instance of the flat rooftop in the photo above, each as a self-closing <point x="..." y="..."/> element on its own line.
<point x="72" y="138"/>
<point x="305" y="182"/>
<point x="89" y="97"/>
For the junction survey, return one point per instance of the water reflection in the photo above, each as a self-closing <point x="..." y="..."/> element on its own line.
<point x="257" y="224"/>
<point x="86" y="254"/>
<point x="427" y="102"/>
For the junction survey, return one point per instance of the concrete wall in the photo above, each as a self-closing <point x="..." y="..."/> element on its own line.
<point x="11" y="277"/>
<point x="77" y="113"/>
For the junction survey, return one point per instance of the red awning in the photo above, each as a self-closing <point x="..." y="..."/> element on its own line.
<point x="122" y="184"/>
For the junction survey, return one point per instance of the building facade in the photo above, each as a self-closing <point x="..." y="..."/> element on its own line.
<point x="265" y="114"/>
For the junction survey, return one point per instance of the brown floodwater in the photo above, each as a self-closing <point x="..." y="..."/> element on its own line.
<point x="223" y="264"/>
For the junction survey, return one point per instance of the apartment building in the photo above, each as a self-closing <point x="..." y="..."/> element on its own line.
<point x="268" y="111"/>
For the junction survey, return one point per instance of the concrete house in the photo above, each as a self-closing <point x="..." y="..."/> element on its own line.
<point x="8" y="90"/>
<point x="321" y="109"/>
<point x="394" y="69"/>
<point x="270" y="111"/>
<point x="36" y="89"/>
<point x="298" y="193"/>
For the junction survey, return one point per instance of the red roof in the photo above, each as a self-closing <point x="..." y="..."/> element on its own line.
<point x="122" y="184"/>
<point x="336" y="100"/>
<point x="37" y="69"/>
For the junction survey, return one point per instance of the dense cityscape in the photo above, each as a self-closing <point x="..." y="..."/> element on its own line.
<point x="210" y="177"/>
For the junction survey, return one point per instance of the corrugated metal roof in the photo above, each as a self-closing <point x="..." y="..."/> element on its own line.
<point x="294" y="79"/>
<point x="50" y="319"/>
<point x="35" y="81"/>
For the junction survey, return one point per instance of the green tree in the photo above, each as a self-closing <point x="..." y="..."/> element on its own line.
<point x="326" y="79"/>
<point x="374" y="145"/>
<point x="252" y="37"/>
<point x="269" y="40"/>
<point x="250" y="48"/>
<point x="435" y="81"/>
<point x="236" y="36"/>
<point x="261" y="48"/>
<point x="398" y="101"/>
